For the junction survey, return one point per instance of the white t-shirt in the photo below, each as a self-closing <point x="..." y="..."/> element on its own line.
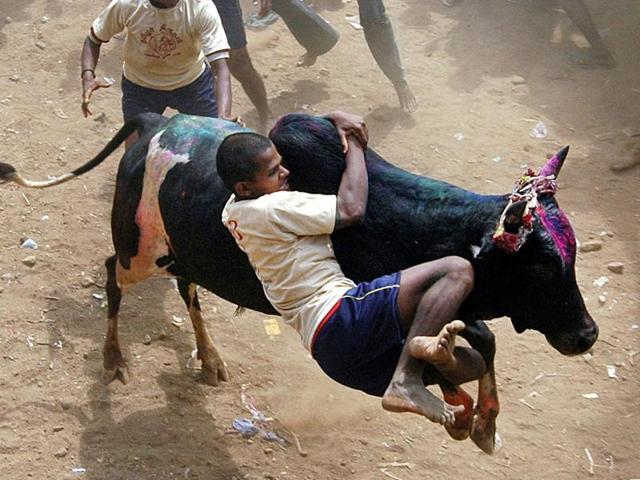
<point x="286" y="237"/>
<point x="165" y="48"/>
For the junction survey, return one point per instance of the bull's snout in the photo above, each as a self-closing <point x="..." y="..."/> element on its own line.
<point x="574" y="343"/>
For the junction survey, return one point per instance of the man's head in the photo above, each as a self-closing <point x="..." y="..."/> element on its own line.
<point x="250" y="165"/>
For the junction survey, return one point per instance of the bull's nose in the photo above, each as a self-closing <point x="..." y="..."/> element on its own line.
<point x="587" y="338"/>
<point x="575" y="343"/>
<point x="590" y="336"/>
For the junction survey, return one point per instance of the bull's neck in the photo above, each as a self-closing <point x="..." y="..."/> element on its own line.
<point x="437" y="209"/>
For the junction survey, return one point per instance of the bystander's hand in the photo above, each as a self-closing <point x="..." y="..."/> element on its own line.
<point x="89" y="84"/>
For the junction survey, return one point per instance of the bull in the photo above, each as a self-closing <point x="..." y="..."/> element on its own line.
<point x="166" y="221"/>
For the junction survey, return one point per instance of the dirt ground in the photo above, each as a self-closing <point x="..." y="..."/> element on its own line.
<point x="484" y="73"/>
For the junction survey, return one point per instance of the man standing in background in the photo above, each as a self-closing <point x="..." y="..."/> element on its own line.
<point x="239" y="61"/>
<point x="378" y="32"/>
<point x="172" y="52"/>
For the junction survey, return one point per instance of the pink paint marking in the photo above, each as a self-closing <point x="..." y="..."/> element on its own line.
<point x="154" y="241"/>
<point x="561" y="232"/>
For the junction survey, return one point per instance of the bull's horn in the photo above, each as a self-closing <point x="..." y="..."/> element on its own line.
<point x="554" y="164"/>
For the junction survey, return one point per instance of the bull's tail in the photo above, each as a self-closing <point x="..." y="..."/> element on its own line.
<point x="141" y="123"/>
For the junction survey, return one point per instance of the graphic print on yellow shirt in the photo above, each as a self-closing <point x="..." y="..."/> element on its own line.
<point x="161" y="44"/>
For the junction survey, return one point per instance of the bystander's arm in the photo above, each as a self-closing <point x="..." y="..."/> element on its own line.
<point x="223" y="87"/>
<point x="88" y="62"/>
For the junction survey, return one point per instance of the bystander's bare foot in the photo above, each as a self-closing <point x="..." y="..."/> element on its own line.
<point x="407" y="100"/>
<point x="307" y="60"/>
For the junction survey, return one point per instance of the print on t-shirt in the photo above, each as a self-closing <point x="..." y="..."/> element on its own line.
<point x="160" y="44"/>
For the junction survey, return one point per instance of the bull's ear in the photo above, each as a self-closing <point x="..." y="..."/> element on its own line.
<point x="554" y="164"/>
<point x="514" y="217"/>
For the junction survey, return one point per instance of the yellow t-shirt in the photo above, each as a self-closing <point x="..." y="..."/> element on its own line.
<point x="165" y="48"/>
<point x="286" y="237"/>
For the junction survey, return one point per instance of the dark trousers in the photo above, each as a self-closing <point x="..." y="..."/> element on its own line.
<point x="378" y="33"/>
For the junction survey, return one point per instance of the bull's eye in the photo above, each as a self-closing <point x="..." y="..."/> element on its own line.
<point x="544" y="270"/>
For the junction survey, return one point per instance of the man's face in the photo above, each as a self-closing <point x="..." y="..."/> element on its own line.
<point x="270" y="177"/>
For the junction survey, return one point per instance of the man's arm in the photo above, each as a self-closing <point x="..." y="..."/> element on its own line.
<point x="223" y="87"/>
<point x="354" y="187"/>
<point x="88" y="62"/>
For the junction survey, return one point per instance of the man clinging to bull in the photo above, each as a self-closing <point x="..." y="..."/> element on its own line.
<point x="375" y="336"/>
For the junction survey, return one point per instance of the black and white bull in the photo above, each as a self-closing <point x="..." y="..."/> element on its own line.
<point x="166" y="221"/>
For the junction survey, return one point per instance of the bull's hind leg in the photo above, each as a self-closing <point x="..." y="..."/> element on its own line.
<point x="484" y="428"/>
<point x="114" y="365"/>
<point x="214" y="369"/>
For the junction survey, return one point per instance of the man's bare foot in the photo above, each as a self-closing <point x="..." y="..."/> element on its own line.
<point x="307" y="60"/>
<point x="407" y="99"/>
<point x="437" y="350"/>
<point x="415" y="398"/>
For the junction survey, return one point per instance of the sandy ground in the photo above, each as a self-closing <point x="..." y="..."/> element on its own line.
<point x="488" y="70"/>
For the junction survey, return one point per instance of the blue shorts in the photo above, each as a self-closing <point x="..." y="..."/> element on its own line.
<point x="359" y="343"/>
<point x="231" y="16"/>
<point x="197" y="98"/>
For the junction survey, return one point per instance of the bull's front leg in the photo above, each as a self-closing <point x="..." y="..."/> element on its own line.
<point x="487" y="408"/>
<point x="214" y="369"/>
<point x="470" y="366"/>
<point x="463" y="425"/>
<point x="114" y="365"/>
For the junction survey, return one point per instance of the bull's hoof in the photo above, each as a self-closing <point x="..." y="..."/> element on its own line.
<point x="214" y="373"/>
<point x="119" y="373"/>
<point x="459" y="432"/>
<point x="484" y="432"/>
<point x="462" y="427"/>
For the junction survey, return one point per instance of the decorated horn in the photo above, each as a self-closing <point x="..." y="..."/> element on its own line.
<point x="554" y="164"/>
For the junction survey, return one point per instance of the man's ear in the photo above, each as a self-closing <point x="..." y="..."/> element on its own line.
<point x="243" y="189"/>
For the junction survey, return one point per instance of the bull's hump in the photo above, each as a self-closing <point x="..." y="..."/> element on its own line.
<point x="183" y="133"/>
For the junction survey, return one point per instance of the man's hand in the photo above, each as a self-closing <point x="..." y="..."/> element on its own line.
<point x="89" y="84"/>
<point x="265" y="6"/>
<point x="349" y="124"/>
